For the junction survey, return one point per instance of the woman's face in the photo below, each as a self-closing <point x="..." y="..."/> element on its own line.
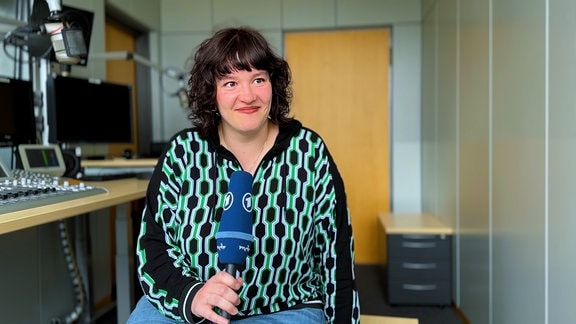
<point x="243" y="99"/>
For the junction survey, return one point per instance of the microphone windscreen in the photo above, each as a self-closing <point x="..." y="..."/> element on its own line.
<point x="234" y="237"/>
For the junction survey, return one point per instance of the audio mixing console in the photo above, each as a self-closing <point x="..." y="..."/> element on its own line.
<point x="25" y="189"/>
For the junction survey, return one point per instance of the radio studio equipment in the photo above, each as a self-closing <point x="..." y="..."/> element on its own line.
<point x="55" y="32"/>
<point x="67" y="40"/>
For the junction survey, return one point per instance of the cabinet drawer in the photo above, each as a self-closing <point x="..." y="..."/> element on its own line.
<point x="419" y="245"/>
<point x="419" y="292"/>
<point x="422" y="268"/>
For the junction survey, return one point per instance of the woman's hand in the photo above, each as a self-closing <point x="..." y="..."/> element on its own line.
<point x="219" y="291"/>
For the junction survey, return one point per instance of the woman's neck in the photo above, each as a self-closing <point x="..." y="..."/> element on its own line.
<point x="249" y="150"/>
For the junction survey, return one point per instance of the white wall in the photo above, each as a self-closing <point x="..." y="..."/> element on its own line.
<point x="498" y="143"/>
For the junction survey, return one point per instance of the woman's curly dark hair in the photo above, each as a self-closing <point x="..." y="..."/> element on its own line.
<point x="231" y="49"/>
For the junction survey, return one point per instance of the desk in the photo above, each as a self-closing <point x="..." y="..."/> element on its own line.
<point x="371" y="319"/>
<point x="120" y="163"/>
<point x="120" y="193"/>
<point x="417" y="223"/>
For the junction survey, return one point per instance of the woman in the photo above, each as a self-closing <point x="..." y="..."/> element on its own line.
<point x="301" y="264"/>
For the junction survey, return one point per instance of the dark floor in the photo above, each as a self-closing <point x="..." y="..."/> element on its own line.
<point x="372" y="302"/>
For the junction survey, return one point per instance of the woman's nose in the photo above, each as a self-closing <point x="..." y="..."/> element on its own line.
<point x="247" y="94"/>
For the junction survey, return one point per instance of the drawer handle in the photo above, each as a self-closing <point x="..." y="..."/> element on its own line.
<point x="418" y="236"/>
<point x="420" y="266"/>
<point x="418" y="287"/>
<point x="419" y="245"/>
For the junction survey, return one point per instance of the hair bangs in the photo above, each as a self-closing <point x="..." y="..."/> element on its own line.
<point x="242" y="54"/>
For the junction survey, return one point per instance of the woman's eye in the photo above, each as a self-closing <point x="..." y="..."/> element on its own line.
<point x="259" y="80"/>
<point x="229" y="84"/>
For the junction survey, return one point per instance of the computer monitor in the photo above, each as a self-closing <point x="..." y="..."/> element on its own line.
<point x="41" y="158"/>
<point x="88" y="111"/>
<point x="17" y="121"/>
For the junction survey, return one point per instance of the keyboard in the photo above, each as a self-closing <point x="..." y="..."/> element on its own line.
<point x="25" y="189"/>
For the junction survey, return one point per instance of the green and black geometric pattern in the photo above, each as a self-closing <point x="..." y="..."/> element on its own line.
<point x="303" y="247"/>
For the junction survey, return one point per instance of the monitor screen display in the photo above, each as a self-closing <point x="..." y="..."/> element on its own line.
<point x="40" y="158"/>
<point x="17" y="121"/>
<point x="88" y="111"/>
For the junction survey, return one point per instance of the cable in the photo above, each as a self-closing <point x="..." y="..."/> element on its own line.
<point x="22" y="39"/>
<point x="73" y="316"/>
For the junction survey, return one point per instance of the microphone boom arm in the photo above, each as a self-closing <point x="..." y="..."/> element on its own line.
<point x="54" y="6"/>
<point x="169" y="72"/>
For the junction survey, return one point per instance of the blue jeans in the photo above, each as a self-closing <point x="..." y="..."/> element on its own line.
<point x="145" y="313"/>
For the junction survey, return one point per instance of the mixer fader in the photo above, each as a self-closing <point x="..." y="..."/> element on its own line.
<point x="24" y="189"/>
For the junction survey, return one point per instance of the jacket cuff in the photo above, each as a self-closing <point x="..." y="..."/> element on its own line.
<point x="186" y="299"/>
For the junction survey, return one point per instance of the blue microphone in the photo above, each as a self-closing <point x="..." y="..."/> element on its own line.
<point x="234" y="237"/>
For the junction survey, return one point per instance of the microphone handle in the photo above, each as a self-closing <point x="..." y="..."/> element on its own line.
<point x="231" y="269"/>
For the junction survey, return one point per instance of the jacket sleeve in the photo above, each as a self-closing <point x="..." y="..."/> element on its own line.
<point x="165" y="276"/>
<point x="336" y="241"/>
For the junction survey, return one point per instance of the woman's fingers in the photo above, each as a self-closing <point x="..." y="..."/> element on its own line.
<point x="219" y="292"/>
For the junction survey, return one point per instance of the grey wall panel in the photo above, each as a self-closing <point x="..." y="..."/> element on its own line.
<point x="177" y="49"/>
<point x="405" y="126"/>
<point x="145" y="12"/>
<point x="189" y="15"/>
<point x="519" y="162"/>
<point x="515" y="179"/>
<point x="261" y="14"/>
<point x="376" y="12"/>
<point x="562" y="161"/>
<point x="318" y="14"/>
<point x="448" y="122"/>
<point x="474" y="156"/>
<point x="429" y="111"/>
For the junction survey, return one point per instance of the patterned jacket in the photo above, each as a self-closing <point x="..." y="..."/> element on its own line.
<point x="303" y="252"/>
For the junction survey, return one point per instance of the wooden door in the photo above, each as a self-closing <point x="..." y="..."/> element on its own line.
<point x="119" y="38"/>
<point x="341" y="90"/>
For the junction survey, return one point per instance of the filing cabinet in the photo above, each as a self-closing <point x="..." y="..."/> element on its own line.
<point x="417" y="260"/>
